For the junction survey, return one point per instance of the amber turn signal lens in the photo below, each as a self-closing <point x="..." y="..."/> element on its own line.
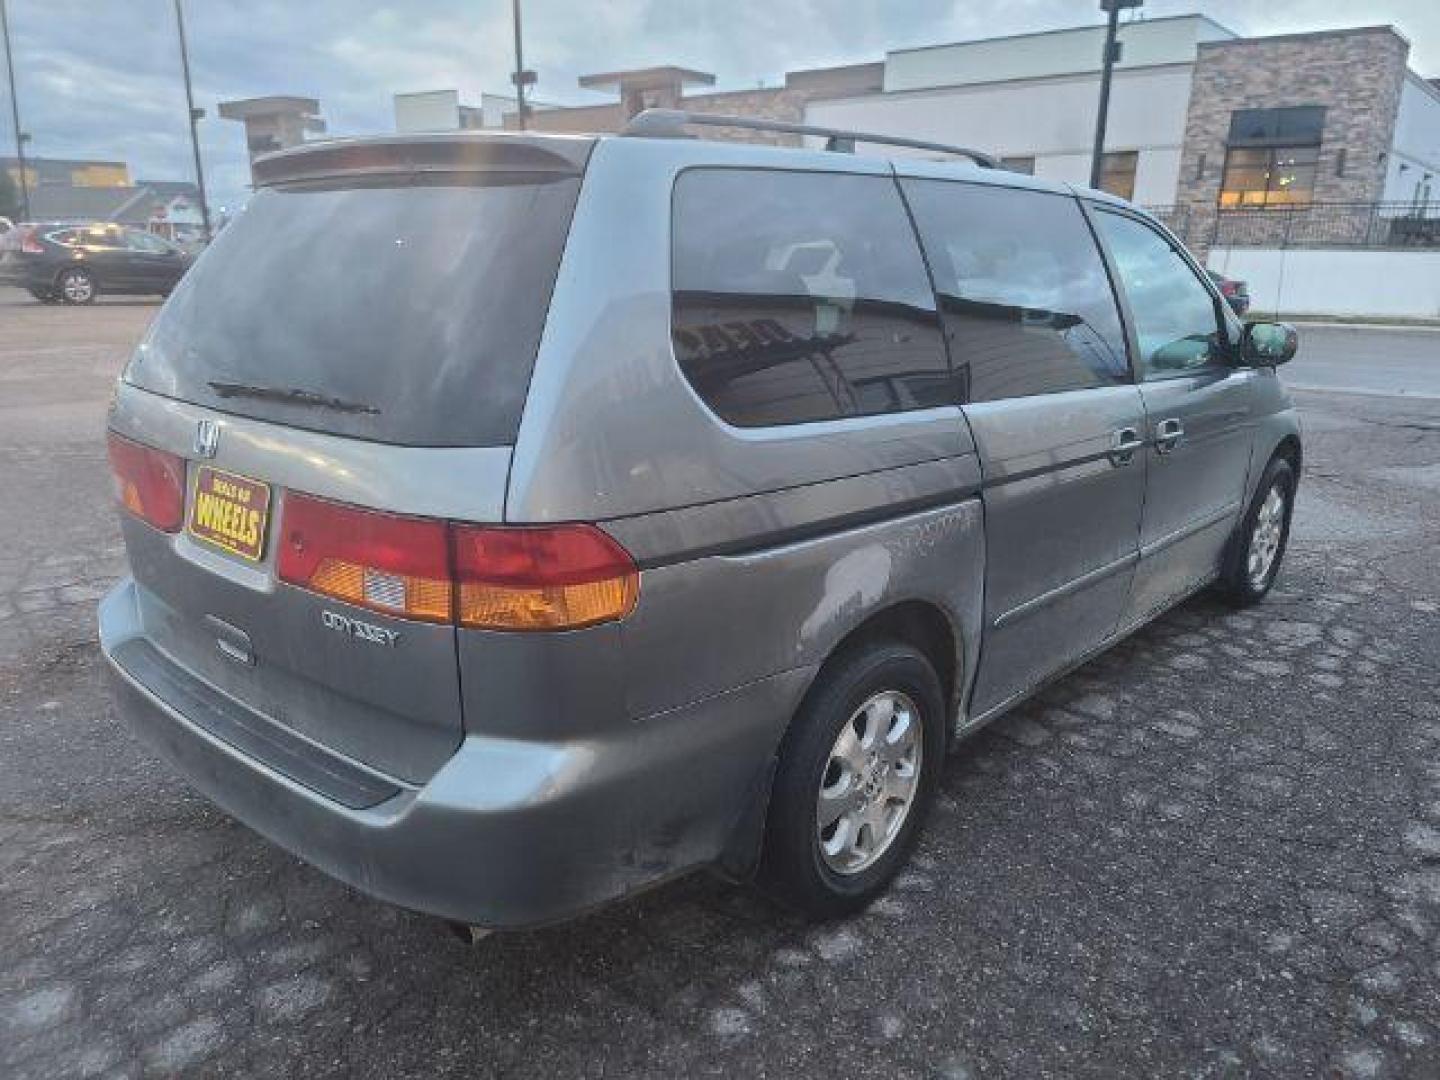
<point x="548" y="578"/>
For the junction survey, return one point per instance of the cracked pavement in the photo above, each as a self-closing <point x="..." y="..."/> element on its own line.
<point x="1213" y="851"/>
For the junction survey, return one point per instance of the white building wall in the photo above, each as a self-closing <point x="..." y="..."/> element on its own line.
<point x="1028" y="56"/>
<point x="1416" y="149"/>
<point x="1051" y="119"/>
<point x="431" y="110"/>
<point x="1309" y="281"/>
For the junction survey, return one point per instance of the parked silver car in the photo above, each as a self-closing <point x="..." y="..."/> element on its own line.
<point x="519" y="521"/>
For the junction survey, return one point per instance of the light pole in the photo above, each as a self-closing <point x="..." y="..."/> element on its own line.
<point x="1112" y="53"/>
<point x="520" y="77"/>
<point x="195" y="117"/>
<point x="20" y="136"/>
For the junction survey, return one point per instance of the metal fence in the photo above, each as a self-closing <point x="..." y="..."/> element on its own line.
<point x="1321" y="224"/>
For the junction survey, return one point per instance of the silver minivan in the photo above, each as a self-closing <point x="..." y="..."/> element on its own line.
<point x="516" y="522"/>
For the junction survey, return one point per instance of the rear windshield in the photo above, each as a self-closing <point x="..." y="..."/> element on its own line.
<point x="400" y="313"/>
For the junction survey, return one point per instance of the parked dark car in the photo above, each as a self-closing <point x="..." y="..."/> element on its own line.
<point x="1236" y="293"/>
<point x="73" y="264"/>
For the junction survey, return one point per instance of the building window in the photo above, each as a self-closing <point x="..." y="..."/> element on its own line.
<point x="1117" y="172"/>
<point x="1272" y="176"/>
<point x="1024" y="165"/>
<point x="1272" y="156"/>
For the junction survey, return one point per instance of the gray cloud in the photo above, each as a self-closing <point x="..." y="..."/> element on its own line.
<point x="103" y="80"/>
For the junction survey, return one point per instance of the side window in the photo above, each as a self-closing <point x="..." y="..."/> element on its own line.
<point x="1027" y="304"/>
<point x="1176" y="322"/>
<point x="101" y="236"/>
<point x="144" y="242"/>
<point x="802" y="297"/>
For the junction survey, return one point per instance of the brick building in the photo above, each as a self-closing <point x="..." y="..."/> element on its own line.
<point x="1200" y="118"/>
<point x="1306" y="118"/>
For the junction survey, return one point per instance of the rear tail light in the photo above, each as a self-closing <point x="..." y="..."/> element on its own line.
<point x="547" y="578"/>
<point x="488" y="577"/>
<point x="149" y="483"/>
<point x="399" y="565"/>
<point x="29" y="245"/>
<point x="1228" y="288"/>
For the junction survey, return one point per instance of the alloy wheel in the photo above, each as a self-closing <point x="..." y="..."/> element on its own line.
<point x="1265" y="537"/>
<point x="870" y="782"/>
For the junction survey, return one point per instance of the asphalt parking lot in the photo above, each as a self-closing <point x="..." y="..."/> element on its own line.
<point x="1214" y="851"/>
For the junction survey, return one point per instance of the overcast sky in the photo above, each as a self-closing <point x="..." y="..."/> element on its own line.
<point x="103" y="79"/>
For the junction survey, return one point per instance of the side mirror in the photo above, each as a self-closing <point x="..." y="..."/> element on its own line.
<point x="1266" y="344"/>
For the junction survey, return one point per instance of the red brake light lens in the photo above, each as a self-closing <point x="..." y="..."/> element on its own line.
<point x="1227" y="288"/>
<point x="149" y="483"/>
<point x="545" y="578"/>
<point x="29" y="245"/>
<point x="385" y="562"/>
<point x="488" y="577"/>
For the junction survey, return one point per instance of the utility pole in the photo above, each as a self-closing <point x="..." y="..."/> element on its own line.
<point x="1112" y="53"/>
<point x="20" y="136"/>
<point x="520" y="77"/>
<point x="195" y="116"/>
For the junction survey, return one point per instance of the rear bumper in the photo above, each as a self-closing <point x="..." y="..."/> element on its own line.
<point x="508" y="833"/>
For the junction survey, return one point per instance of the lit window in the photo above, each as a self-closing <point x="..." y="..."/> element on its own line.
<point x="1273" y="176"/>
<point x="1272" y="156"/>
<point x="1117" y="172"/>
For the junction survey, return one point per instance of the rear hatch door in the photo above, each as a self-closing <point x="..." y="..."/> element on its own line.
<point x="360" y="338"/>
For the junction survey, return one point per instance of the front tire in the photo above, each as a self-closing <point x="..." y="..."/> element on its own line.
<point x="77" y="286"/>
<point x="1258" y="546"/>
<point x="855" y="779"/>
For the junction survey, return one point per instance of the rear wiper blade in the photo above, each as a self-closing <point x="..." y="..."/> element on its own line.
<point x="291" y="395"/>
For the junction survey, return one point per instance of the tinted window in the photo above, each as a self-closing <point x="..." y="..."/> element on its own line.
<point x="415" y="311"/>
<point x="102" y="236"/>
<point x="145" y="243"/>
<point x="801" y="297"/>
<point x="1027" y="304"/>
<point x="1175" y="315"/>
<point x="1300" y="125"/>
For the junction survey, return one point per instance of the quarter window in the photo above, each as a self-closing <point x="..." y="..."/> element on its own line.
<point x="802" y="297"/>
<point x="1028" y="307"/>
<point x="1176" y="320"/>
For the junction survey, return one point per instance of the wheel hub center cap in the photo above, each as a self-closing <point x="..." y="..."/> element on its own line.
<point x="873" y="779"/>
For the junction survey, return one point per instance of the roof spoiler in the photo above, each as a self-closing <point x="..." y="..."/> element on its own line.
<point x="671" y="124"/>
<point x="446" y="152"/>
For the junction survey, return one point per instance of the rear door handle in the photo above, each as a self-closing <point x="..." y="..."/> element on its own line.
<point x="1124" y="442"/>
<point x="1168" y="434"/>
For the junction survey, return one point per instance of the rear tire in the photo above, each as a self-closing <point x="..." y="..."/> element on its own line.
<point x="1253" y="559"/>
<point x="855" y="779"/>
<point x="77" y="286"/>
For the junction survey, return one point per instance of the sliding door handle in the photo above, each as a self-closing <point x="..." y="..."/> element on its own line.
<point x="1124" y="442"/>
<point x="1168" y="434"/>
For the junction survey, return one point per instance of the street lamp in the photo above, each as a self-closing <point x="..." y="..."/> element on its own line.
<point x="21" y="138"/>
<point x="520" y="77"/>
<point x="1112" y="53"/>
<point x="196" y="115"/>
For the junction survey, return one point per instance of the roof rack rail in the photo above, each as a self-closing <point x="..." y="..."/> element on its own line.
<point x="671" y="124"/>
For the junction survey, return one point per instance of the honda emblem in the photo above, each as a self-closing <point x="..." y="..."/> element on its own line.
<point x="207" y="438"/>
